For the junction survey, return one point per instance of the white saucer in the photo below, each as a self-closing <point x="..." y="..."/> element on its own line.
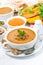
<point x="37" y="47"/>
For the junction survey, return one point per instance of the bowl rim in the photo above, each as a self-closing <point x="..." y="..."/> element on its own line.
<point x="21" y="17"/>
<point x="3" y="29"/>
<point x="9" y="12"/>
<point x="24" y="43"/>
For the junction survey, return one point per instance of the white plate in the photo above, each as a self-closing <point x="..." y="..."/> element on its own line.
<point x="37" y="47"/>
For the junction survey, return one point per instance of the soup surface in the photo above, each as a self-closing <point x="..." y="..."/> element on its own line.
<point x="15" y="38"/>
<point x="5" y="10"/>
<point x="16" y="22"/>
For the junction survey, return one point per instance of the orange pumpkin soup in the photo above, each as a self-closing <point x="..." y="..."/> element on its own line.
<point x="21" y="36"/>
<point x="16" y="22"/>
<point x="5" y="10"/>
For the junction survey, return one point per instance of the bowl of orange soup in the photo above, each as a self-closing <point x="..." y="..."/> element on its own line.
<point x="21" y="38"/>
<point x="6" y="12"/>
<point x="16" y="21"/>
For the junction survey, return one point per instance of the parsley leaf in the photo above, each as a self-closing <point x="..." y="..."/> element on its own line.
<point x="21" y="33"/>
<point x="40" y="13"/>
<point x="31" y="10"/>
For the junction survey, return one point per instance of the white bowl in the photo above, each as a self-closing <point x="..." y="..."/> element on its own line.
<point x="22" y="46"/>
<point x="3" y="34"/>
<point x="4" y="17"/>
<point x="21" y="17"/>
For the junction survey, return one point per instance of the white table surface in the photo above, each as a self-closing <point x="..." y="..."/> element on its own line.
<point x="36" y="59"/>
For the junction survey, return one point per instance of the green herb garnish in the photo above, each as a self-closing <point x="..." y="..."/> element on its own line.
<point x="40" y="13"/>
<point x="31" y="10"/>
<point x="21" y="33"/>
<point x="19" y="12"/>
<point x="1" y="23"/>
<point x="28" y="10"/>
<point x="40" y="4"/>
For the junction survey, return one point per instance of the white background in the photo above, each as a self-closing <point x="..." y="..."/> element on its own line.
<point x="36" y="59"/>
